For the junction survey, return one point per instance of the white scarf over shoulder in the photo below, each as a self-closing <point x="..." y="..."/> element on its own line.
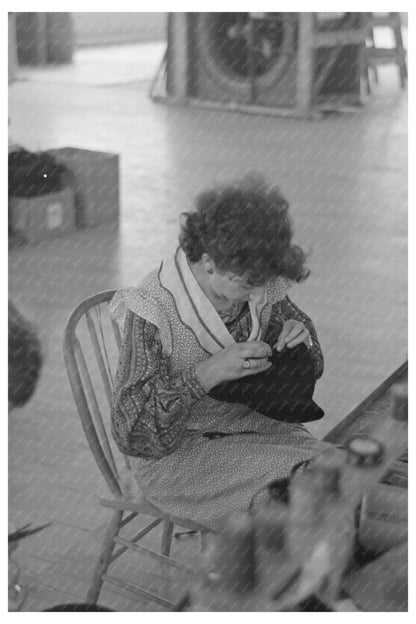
<point x="172" y="289"/>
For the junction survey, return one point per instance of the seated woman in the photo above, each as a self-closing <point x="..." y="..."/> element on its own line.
<point x="206" y="316"/>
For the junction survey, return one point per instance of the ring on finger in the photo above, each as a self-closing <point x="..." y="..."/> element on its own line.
<point x="246" y="363"/>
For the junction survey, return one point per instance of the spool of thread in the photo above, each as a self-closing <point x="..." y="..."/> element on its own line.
<point x="235" y="554"/>
<point x="400" y="393"/>
<point x="327" y="469"/>
<point x="364" y="451"/>
<point x="304" y="515"/>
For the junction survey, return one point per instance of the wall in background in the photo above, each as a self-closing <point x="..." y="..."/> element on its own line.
<point x="12" y="56"/>
<point x="106" y="28"/>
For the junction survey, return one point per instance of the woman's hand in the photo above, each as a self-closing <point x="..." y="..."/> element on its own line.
<point x="239" y="360"/>
<point x="292" y="334"/>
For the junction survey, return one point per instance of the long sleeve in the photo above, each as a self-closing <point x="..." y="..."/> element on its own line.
<point x="150" y="406"/>
<point x="286" y="309"/>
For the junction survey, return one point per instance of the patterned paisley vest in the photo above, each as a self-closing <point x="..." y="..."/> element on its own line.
<point x="191" y="330"/>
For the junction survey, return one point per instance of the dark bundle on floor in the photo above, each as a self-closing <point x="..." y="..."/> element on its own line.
<point x="32" y="174"/>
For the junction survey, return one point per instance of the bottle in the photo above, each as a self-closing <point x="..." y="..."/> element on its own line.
<point x="338" y="530"/>
<point x="228" y="580"/>
<point x="321" y="525"/>
<point x="279" y="573"/>
<point x="304" y="514"/>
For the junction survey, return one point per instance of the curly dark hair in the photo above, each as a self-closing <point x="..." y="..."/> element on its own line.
<point x="25" y="358"/>
<point x="246" y="229"/>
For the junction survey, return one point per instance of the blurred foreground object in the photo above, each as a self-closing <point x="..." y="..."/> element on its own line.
<point x="25" y="362"/>
<point x="17" y="592"/>
<point x="305" y="551"/>
<point x="382" y="585"/>
<point x="25" y="358"/>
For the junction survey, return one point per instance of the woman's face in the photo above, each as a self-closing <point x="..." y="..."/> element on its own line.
<point x="231" y="288"/>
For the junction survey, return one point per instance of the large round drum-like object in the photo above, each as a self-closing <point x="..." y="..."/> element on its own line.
<point x="231" y="55"/>
<point x="252" y="58"/>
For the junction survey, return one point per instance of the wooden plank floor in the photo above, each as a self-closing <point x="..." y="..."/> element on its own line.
<point x="346" y="179"/>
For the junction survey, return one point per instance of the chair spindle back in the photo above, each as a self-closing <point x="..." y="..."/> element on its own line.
<point x="91" y="347"/>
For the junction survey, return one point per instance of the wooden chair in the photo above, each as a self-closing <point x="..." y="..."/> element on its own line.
<point x="91" y="346"/>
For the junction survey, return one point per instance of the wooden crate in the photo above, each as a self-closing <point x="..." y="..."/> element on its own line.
<point x="96" y="184"/>
<point x="45" y="216"/>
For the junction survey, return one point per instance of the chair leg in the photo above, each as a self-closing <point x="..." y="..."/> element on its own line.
<point x="366" y="76"/>
<point x="105" y="555"/>
<point x="167" y="538"/>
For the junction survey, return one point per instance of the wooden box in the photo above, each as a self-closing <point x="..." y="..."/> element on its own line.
<point x="96" y="183"/>
<point x="45" y="216"/>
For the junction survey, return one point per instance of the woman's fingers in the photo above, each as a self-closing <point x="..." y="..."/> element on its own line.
<point x="281" y="340"/>
<point x="257" y="365"/>
<point x="285" y="335"/>
<point x="256" y="349"/>
<point x="255" y="357"/>
<point x="292" y="334"/>
<point x="298" y="339"/>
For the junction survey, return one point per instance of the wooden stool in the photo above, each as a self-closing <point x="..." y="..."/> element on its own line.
<point x="375" y="56"/>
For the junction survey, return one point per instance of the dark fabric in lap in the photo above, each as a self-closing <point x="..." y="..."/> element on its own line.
<point x="283" y="392"/>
